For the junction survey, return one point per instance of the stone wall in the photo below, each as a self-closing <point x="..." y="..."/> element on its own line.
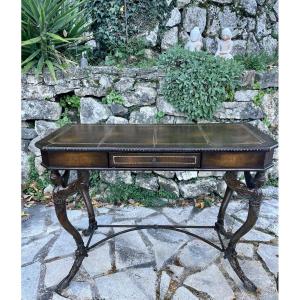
<point x="254" y="24"/>
<point x="141" y="90"/>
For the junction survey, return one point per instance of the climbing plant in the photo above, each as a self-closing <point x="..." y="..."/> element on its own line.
<point x="115" y="22"/>
<point x="197" y="82"/>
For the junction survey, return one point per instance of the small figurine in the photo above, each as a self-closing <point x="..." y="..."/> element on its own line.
<point x="83" y="61"/>
<point x="225" y="44"/>
<point x="195" y="40"/>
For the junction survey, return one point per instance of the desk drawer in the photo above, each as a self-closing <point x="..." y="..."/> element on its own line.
<point x="153" y="160"/>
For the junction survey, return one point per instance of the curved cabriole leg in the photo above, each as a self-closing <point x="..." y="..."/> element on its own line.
<point x="60" y="194"/>
<point x="84" y="176"/>
<point x="220" y="223"/>
<point x="253" y="192"/>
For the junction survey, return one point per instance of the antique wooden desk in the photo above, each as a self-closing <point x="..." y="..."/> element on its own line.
<point x="228" y="147"/>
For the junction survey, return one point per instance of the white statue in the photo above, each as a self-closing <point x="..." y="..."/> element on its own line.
<point x="225" y="45"/>
<point x="195" y="40"/>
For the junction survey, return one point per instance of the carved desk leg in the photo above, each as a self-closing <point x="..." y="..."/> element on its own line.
<point x="253" y="193"/>
<point x="60" y="194"/>
<point x="83" y="177"/>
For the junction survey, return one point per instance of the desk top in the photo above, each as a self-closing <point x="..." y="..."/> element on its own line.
<point x="158" y="138"/>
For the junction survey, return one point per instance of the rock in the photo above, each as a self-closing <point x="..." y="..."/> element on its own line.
<point x="239" y="111"/>
<point x="151" y="37"/>
<point x="183" y="293"/>
<point x="32" y="148"/>
<point x="37" y="92"/>
<point x="166" y="174"/>
<point x="142" y="96"/>
<point x="146" y="115"/>
<point x="276" y="8"/>
<point x="170" y="38"/>
<point x="222" y="1"/>
<point x="175" y="18"/>
<point x="270" y="192"/>
<point x="57" y="270"/>
<point x="104" y="84"/>
<point x="239" y="47"/>
<point x="228" y="19"/>
<point x="245" y="250"/>
<point x="102" y="257"/>
<point x="44" y="128"/>
<point x="124" y="84"/>
<point x="129" y="284"/>
<point x="269" y="45"/>
<point x="261" y="26"/>
<point x="190" y="255"/>
<point x="78" y="290"/>
<point x="213" y="23"/>
<point x="40" y="109"/>
<point x="194" y="16"/>
<point x="30" y="251"/>
<point x="132" y="212"/>
<point x="182" y="3"/>
<point x="209" y="281"/>
<point x="248" y="79"/>
<point x="39" y="168"/>
<point x="168" y="185"/>
<point x="118" y="110"/>
<point x="270" y="108"/>
<point x="252" y="44"/>
<point x="165" y="280"/>
<point x="249" y="6"/>
<point x="28" y="133"/>
<point x="167" y="108"/>
<point x="116" y="120"/>
<point x="269" y="254"/>
<point x="186" y="175"/>
<point x="30" y="281"/>
<point x="178" y="214"/>
<point x="268" y="79"/>
<point x="25" y="167"/>
<point x="210" y="45"/>
<point x="24" y="145"/>
<point x="93" y="112"/>
<point x="197" y="188"/>
<point x="114" y="177"/>
<point x="48" y="189"/>
<point x="147" y="182"/>
<point x="245" y="95"/>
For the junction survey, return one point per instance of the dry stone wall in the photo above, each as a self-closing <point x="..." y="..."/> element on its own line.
<point x="254" y="24"/>
<point x="143" y="99"/>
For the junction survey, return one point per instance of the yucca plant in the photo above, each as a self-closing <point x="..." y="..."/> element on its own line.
<point x="50" y="28"/>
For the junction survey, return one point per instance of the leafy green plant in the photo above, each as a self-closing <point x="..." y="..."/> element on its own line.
<point x="258" y="62"/>
<point x="36" y="184"/>
<point x="159" y="116"/>
<point x="50" y="28"/>
<point x="64" y="119"/>
<point x="257" y="99"/>
<point x="197" y="82"/>
<point x="122" y="192"/>
<point x="113" y="98"/>
<point x="68" y="101"/>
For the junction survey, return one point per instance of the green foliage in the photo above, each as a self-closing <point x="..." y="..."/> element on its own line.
<point x="114" y="23"/>
<point x="113" y="98"/>
<point x="68" y="101"/>
<point x="197" y="82"/>
<point x="267" y="122"/>
<point x="122" y="192"/>
<point x="50" y="29"/>
<point x="257" y="99"/>
<point x="257" y="62"/>
<point x="159" y="116"/>
<point x="36" y="184"/>
<point x="64" y="119"/>
<point x="273" y="182"/>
